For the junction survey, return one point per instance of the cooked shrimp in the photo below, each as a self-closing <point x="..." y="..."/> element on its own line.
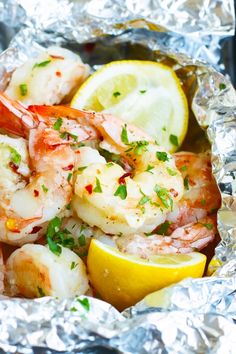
<point x="201" y="196"/>
<point x="117" y="202"/>
<point x="2" y="271"/>
<point x="35" y="271"/>
<point x="185" y="239"/>
<point x="49" y="189"/>
<point x="48" y="79"/>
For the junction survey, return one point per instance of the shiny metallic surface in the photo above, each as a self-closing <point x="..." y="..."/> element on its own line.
<point x="195" y="315"/>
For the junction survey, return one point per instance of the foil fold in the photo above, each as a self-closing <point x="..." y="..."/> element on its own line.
<point x="195" y="315"/>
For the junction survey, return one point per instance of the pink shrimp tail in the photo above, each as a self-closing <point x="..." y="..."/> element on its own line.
<point x="15" y="118"/>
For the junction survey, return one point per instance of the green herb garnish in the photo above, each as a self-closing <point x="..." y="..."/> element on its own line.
<point x="186" y="183"/>
<point x="82" y="240"/>
<point x="149" y="169"/>
<point x="15" y="157"/>
<point x="121" y="192"/>
<point x="222" y="86"/>
<point x="57" y="125"/>
<point x="41" y="292"/>
<point x="23" y="89"/>
<point x="183" y="168"/>
<point x="42" y="64"/>
<point x="124" y="135"/>
<point x="73" y="265"/>
<point x="85" y="303"/>
<point x="171" y="172"/>
<point x="143" y="91"/>
<point x="174" y="140"/>
<point x="44" y="188"/>
<point x="162" y="230"/>
<point x="98" y="188"/>
<point x="69" y="176"/>
<point x="164" y="197"/>
<point x="116" y="93"/>
<point x="162" y="156"/>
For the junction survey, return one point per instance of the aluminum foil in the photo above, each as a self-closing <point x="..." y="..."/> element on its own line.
<point x="195" y="315"/>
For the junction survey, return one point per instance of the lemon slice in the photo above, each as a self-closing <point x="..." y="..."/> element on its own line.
<point x="123" y="280"/>
<point x="146" y="93"/>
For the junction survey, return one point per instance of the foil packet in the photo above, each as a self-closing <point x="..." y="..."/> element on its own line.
<point x="195" y="315"/>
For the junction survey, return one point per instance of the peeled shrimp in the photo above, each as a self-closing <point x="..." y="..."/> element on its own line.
<point x="201" y="195"/>
<point x="185" y="239"/>
<point x="34" y="271"/>
<point x="49" y="78"/>
<point x="49" y="188"/>
<point x="117" y="202"/>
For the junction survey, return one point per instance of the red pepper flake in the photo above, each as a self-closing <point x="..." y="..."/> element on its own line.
<point x="121" y="180"/>
<point x="68" y="168"/>
<point x="36" y="193"/>
<point x="174" y="192"/>
<point x="58" y="73"/>
<point x="89" y="188"/>
<point x="13" y="166"/>
<point x="56" y="57"/>
<point x="33" y="173"/>
<point x="35" y="229"/>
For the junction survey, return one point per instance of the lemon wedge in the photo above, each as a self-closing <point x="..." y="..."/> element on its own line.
<point x="145" y="93"/>
<point x="123" y="280"/>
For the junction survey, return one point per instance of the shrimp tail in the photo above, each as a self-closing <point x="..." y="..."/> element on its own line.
<point x="15" y="118"/>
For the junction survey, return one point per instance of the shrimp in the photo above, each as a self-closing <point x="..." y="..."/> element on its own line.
<point x="185" y="239"/>
<point x="49" y="78"/>
<point x="201" y="196"/>
<point x="118" y="202"/>
<point x="49" y="188"/>
<point x="34" y="271"/>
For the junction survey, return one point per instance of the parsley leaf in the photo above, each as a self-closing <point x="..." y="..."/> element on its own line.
<point x="82" y="168"/>
<point x="174" y="140"/>
<point x="143" y="91"/>
<point x="144" y="198"/>
<point x="124" y="135"/>
<point x="44" y="188"/>
<point x="57" y="125"/>
<point x="73" y="265"/>
<point x="116" y="93"/>
<point x="15" y="156"/>
<point x="23" y="89"/>
<point x="162" y="156"/>
<point x="69" y="176"/>
<point x="42" y="64"/>
<point x="171" y="172"/>
<point x="82" y="240"/>
<point x="85" y="303"/>
<point x="138" y="147"/>
<point x="208" y="226"/>
<point x="57" y="237"/>
<point x="186" y="183"/>
<point x="121" y="192"/>
<point x="222" y="86"/>
<point x="149" y="169"/>
<point x="164" y="197"/>
<point x="98" y="188"/>
<point x="163" y="228"/>
<point x="183" y="168"/>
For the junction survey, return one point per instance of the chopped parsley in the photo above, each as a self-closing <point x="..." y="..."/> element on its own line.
<point x="67" y="136"/>
<point x="42" y="64"/>
<point x="222" y="86"/>
<point x="149" y="169"/>
<point x="138" y="147"/>
<point x="144" y="198"/>
<point x="163" y="228"/>
<point x="174" y="140"/>
<point x="208" y="226"/>
<point x="57" y="237"/>
<point x="57" y="125"/>
<point x="73" y="265"/>
<point x="23" y="89"/>
<point x="186" y="183"/>
<point x="98" y="188"/>
<point x="183" y="168"/>
<point x="73" y="309"/>
<point x="82" y="168"/>
<point x="109" y="164"/>
<point x="164" y="197"/>
<point x="162" y="156"/>
<point x="143" y="91"/>
<point x="41" y="292"/>
<point x="68" y="206"/>
<point x="15" y="157"/>
<point x="116" y="93"/>
<point x="171" y="172"/>
<point x="44" y="188"/>
<point x="82" y="240"/>
<point x="84" y="303"/>
<point x="124" y="135"/>
<point x="69" y="176"/>
<point x="121" y="192"/>
<point x="164" y="129"/>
